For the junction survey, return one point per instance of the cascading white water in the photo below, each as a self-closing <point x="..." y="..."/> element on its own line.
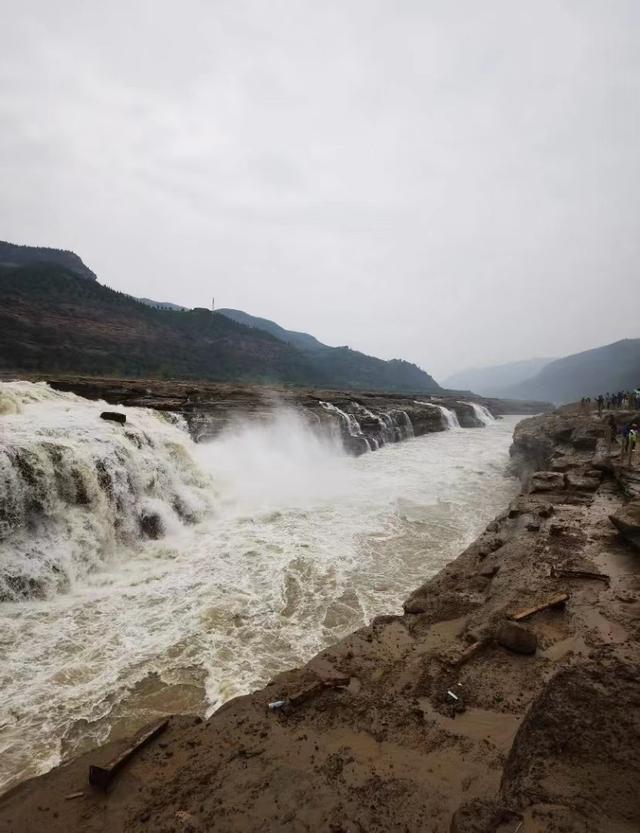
<point x="393" y="426"/>
<point x="349" y="421"/>
<point x="404" y="424"/>
<point x="449" y="417"/>
<point x="483" y="414"/>
<point x="274" y="543"/>
<point x="75" y="489"/>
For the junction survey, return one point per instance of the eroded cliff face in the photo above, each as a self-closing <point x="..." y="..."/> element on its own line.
<point x="503" y="699"/>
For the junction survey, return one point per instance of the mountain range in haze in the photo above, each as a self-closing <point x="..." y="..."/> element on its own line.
<point x="611" y="368"/>
<point x="492" y="380"/>
<point x="56" y="316"/>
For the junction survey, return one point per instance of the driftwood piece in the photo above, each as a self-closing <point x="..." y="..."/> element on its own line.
<point x="555" y="601"/>
<point x="101" y="776"/>
<point x="587" y="574"/>
<point x="470" y="652"/>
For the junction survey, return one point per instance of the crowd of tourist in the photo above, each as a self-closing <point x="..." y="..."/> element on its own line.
<point x="624" y="400"/>
<point x="627" y="430"/>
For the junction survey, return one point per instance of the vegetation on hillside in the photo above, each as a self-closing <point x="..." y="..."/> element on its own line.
<point x="51" y="320"/>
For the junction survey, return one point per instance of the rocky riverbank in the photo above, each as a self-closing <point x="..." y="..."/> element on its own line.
<point x="504" y="699"/>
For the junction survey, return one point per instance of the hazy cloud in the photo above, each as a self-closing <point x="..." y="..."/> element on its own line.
<point x="455" y="183"/>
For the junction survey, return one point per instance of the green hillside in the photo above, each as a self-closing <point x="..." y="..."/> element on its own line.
<point x="52" y="320"/>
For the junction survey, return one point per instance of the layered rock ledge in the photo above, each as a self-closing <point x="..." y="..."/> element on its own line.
<point x="366" y="420"/>
<point x="505" y="698"/>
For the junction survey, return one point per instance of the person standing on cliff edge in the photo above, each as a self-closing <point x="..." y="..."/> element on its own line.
<point x="612" y="430"/>
<point x="632" y="441"/>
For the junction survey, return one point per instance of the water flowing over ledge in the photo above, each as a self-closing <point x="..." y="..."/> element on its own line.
<point x="138" y="563"/>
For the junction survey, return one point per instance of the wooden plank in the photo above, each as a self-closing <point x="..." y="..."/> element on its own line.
<point x="101" y="776"/>
<point x="555" y="601"/>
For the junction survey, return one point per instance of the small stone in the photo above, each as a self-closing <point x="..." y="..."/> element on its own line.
<point x="517" y="638"/>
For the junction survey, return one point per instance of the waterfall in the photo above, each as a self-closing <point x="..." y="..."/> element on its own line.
<point x="449" y="418"/>
<point x="76" y="492"/>
<point x="483" y="414"/>
<point x="403" y="424"/>
<point x="349" y="422"/>
<point x="374" y="429"/>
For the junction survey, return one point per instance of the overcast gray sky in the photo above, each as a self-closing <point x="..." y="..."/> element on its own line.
<point x="455" y="183"/>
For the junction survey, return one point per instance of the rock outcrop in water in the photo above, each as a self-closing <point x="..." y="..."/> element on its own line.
<point x="428" y="720"/>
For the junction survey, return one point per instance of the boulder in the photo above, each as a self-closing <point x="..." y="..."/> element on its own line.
<point x="517" y="638"/>
<point x="114" y="416"/>
<point x="627" y="522"/>
<point x="546" y="481"/>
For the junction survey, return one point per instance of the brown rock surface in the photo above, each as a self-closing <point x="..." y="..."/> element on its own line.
<point x="546" y="481"/>
<point x="627" y="521"/>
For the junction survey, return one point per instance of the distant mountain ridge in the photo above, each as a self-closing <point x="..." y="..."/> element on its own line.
<point x="353" y="369"/>
<point x="53" y="319"/>
<point x="493" y="379"/>
<point x="302" y="341"/>
<point x="13" y="255"/>
<point x="613" y="367"/>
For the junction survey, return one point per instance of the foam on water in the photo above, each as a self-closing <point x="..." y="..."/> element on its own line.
<point x="287" y="545"/>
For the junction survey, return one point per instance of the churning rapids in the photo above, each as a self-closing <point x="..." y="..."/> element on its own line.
<point x="273" y="543"/>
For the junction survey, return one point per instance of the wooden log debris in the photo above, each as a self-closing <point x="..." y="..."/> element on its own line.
<point x="470" y="652"/>
<point x="303" y="694"/>
<point x="101" y="776"/>
<point x="555" y="601"/>
<point x="557" y="572"/>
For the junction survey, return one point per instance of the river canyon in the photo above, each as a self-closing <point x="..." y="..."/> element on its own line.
<point x="145" y="574"/>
